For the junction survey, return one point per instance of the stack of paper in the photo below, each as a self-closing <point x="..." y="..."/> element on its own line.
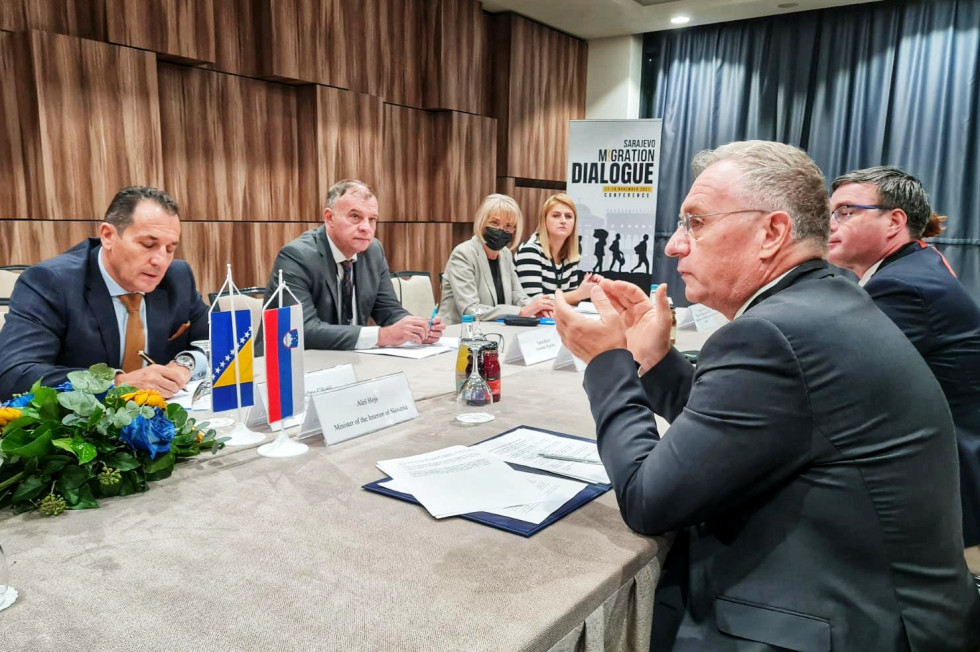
<point x="530" y="448"/>
<point x="459" y="480"/>
<point x="414" y="350"/>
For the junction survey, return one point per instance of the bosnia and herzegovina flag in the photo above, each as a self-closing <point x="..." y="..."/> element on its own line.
<point x="228" y="351"/>
<point x="282" y="334"/>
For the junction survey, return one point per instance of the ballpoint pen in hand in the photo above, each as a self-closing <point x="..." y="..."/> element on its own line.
<point x="568" y="458"/>
<point x="435" y="311"/>
<point x="145" y="357"/>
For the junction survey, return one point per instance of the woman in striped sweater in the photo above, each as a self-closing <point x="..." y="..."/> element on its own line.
<point x="548" y="261"/>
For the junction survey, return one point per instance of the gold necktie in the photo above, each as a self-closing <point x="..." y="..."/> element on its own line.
<point x="134" y="333"/>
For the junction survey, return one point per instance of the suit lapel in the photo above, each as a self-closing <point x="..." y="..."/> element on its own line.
<point x="100" y="308"/>
<point x="329" y="270"/>
<point x="157" y="321"/>
<point x="485" y="274"/>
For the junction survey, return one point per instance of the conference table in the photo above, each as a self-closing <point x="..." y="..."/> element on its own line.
<point x="239" y="552"/>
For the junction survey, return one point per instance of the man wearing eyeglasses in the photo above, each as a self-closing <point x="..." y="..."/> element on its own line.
<point x="879" y="217"/>
<point x="339" y="273"/>
<point x="808" y="468"/>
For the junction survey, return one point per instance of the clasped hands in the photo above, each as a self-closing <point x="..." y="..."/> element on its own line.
<point x="628" y="319"/>
<point x="411" y="329"/>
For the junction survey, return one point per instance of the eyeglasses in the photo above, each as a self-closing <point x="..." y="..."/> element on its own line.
<point x="692" y="223"/>
<point x="497" y="224"/>
<point x="845" y="212"/>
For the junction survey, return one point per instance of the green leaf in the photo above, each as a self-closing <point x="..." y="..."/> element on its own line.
<point x="121" y="419"/>
<point x="121" y="461"/>
<point x="132" y="482"/>
<point x="147" y="412"/>
<point x="159" y="468"/>
<point x="81" y="403"/>
<point x="177" y="414"/>
<point x="46" y="400"/>
<point x="53" y="464"/>
<point x="84" y="451"/>
<point x="89" y="381"/>
<point x="73" y="477"/>
<point x="83" y="498"/>
<point x="29" y="488"/>
<point x="27" y="444"/>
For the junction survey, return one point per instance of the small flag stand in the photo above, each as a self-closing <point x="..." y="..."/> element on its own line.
<point x="282" y="333"/>
<point x="231" y="350"/>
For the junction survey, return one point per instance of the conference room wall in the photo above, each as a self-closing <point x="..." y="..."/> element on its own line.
<point x="244" y="143"/>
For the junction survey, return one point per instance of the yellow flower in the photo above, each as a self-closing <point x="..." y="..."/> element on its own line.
<point x="8" y="414"/>
<point x="146" y="397"/>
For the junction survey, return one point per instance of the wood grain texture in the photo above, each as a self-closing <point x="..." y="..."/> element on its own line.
<point x="300" y="42"/>
<point x="239" y="34"/>
<point x="90" y="123"/>
<point x="417" y="247"/>
<point x="28" y="243"/>
<point x="464" y="167"/>
<point x="14" y="198"/>
<point x="543" y="88"/>
<point x="348" y="138"/>
<point x="82" y="18"/>
<point x="237" y="148"/>
<point x="456" y="74"/>
<point x="405" y="48"/>
<point x="410" y="154"/>
<point x="250" y="247"/>
<point x="180" y="30"/>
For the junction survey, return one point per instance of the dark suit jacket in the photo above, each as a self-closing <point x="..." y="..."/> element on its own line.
<point x="916" y="288"/>
<point x="61" y="319"/>
<point x="809" y="464"/>
<point x="308" y="268"/>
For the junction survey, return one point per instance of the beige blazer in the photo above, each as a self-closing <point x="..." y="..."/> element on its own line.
<point x="468" y="285"/>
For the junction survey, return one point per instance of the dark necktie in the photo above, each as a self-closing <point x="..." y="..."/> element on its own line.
<point x="347" y="294"/>
<point x="134" y="333"/>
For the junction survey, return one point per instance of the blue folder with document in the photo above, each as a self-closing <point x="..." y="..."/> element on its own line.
<point x="590" y="492"/>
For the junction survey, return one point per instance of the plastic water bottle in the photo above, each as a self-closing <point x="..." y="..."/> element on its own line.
<point x="467" y="335"/>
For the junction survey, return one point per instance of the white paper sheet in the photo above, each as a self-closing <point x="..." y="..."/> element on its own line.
<point x="184" y="396"/>
<point x="558" y="490"/>
<point x="524" y="446"/>
<point x="459" y="480"/>
<point x="416" y="351"/>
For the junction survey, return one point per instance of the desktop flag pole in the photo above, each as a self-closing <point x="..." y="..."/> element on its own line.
<point x="231" y="363"/>
<point x="282" y="336"/>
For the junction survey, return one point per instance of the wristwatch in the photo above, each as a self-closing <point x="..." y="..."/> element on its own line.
<point x="186" y="360"/>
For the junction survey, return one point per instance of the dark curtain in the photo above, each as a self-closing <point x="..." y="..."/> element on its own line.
<point x="884" y="83"/>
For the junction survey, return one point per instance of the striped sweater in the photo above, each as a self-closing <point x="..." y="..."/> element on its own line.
<point x="538" y="275"/>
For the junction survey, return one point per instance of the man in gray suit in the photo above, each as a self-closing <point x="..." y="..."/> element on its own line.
<point x="339" y="273"/>
<point x="810" y="467"/>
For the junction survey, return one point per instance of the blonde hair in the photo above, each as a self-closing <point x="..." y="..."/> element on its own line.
<point x="503" y="206"/>
<point x="569" y="252"/>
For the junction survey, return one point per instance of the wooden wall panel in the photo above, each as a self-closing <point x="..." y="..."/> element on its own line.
<point x="238" y="28"/>
<point x="349" y="139"/>
<point x="300" y="42"/>
<point x="14" y="197"/>
<point x="237" y="148"/>
<point x="456" y="70"/>
<point x="545" y="88"/>
<point x="464" y="165"/>
<point x="81" y="18"/>
<point x="250" y="247"/>
<point x="90" y="120"/>
<point x="417" y="247"/>
<point x="405" y="48"/>
<point x="27" y="243"/>
<point x="362" y="38"/>
<point x="181" y="30"/>
<point x="409" y="148"/>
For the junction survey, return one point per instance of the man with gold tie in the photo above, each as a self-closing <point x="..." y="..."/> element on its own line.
<point x="109" y="299"/>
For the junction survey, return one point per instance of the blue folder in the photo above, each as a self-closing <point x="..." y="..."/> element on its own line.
<point x="513" y="525"/>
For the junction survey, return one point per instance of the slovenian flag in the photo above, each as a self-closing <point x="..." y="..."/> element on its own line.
<point x="231" y="350"/>
<point x="283" y="338"/>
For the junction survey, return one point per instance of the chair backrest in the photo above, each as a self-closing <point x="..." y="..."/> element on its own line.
<point x="415" y="292"/>
<point x="3" y="314"/>
<point x="8" y="276"/>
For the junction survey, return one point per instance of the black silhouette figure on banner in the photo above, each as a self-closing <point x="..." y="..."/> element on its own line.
<point x="617" y="255"/>
<point x="600" y="236"/>
<point x="641" y="252"/>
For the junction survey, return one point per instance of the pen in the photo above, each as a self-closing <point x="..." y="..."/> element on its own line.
<point x="435" y="311"/>
<point x="145" y="357"/>
<point x="566" y="458"/>
<point x="546" y="321"/>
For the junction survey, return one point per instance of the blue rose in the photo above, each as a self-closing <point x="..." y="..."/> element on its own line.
<point x="151" y="435"/>
<point x="18" y="401"/>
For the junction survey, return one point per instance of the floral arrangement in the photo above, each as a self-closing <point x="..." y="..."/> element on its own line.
<point x="65" y="447"/>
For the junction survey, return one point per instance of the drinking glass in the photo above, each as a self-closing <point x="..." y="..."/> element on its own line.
<point x="204" y="389"/>
<point x="4" y="577"/>
<point x="475" y="393"/>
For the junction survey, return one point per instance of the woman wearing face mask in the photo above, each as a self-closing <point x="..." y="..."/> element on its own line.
<point x="548" y="261"/>
<point x="480" y="276"/>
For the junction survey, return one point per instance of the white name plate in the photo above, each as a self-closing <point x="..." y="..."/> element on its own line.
<point x="534" y="346"/>
<point x="314" y="382"/>
<point x="361" y="408"/>
<point x="568" y="362"/>
<point x="706" y="319"/>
